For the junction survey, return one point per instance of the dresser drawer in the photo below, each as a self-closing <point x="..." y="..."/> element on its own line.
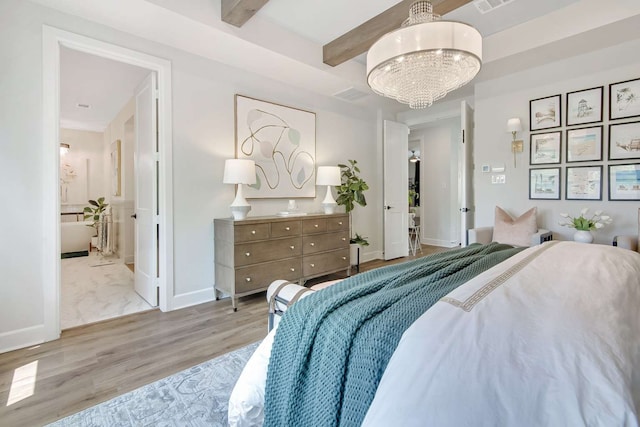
<point x="252" y="253"/>
<point x="286" y="229"/>
<point x="317" y="225"/>
<point x="339" y="223"/>
<point x="325" y="242"/>
<point x="261" y="275"/>
<point x="314" y="265"/>
<point x="250" y="232"/>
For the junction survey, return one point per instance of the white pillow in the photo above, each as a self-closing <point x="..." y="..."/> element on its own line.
<point x="516" y="232"/>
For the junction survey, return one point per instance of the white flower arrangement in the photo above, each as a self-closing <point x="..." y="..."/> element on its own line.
<point x="598" y="220"/>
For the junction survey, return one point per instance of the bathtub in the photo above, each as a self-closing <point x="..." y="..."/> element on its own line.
<point x="75" y="236"/>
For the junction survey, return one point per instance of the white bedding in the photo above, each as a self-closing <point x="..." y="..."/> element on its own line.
<point x="549" y="337"/>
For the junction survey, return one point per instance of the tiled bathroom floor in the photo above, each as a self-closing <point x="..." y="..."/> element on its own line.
<point x="97" y="288"/>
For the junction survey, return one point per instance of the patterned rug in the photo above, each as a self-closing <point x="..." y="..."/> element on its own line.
<point x="197" y="396"/>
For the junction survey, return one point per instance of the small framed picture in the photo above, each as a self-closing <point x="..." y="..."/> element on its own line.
<point x="545" y="113"/>
<point x="624" y="182"/>
<point x="584" y="183"/>
<point x="624" y="99"/>
<point x="545" y="148"/>
<point x="584" y="144"/>
<point x="544" y="183"/>
<point x="584" y="106"/>
<point x="624" y="141"/>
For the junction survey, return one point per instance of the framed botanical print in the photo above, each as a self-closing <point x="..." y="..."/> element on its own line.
<point x="584" y="144"/>
<point x="624" y="99"/>
<point x="584" y="106"/>
<point x="584" y="183"/>
<point x="545" y="113"/>
<point x="624" y="182"/>
<point x="544" y="183"/>
<point x="545" y="148"/>
<point x="624" y="141"/>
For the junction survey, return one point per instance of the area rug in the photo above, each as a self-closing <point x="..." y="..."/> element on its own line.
<point x="197" y="396"/>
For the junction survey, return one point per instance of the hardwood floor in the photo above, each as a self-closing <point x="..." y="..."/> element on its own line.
<point x="94" y="363"/>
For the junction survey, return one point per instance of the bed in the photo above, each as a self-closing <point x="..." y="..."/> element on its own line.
<point x="548" y="335"/>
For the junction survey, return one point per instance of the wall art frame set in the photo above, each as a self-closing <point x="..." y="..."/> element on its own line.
<point x="583" y="141"/>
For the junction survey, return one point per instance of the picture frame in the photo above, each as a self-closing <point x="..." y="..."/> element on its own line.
<point x="624" y="182"/>
<point x="545" y="113"/>
<point x="624" y="99"/>
<point x="544" y="184"/>
<point x="585" y="106"/>
<point x="282" y="142"/>
<point x="584" y="144"/>
<point x="583" y="183"/>
<point x="545" y="148"/>
<point x="116" y="172"/>
<point x="624" y="141"/>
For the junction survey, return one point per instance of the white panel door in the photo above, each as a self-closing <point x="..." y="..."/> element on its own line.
<point x="396" y="189"/>
<point x="145" y="165"/>
<point x="467" y="208"/>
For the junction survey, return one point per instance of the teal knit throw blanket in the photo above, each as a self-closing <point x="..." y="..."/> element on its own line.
<point x="331" y="348"/>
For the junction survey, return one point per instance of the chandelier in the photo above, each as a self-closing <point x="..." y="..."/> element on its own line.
<point x="424" y="59"/>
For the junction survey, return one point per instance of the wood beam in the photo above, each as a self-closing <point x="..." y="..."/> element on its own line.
<point x="360" y="39"/>
<point x="237" y="12"/>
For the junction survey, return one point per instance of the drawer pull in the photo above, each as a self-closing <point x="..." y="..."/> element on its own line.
<point x="340" y="223"/>
<point x="313" y="265"/>
<point x="344" y="239"/>
<point x="288" y="228"/>
<point x="292" y="247"/>
<point x="312" y="244"/>
<point x="248" y="253"/>
<point x="293" y="269"/>
<point x="315" y="225"/>
<point x="344" y="258"/>
<point x="248" y="279"/>
<point x="253" y="231"/>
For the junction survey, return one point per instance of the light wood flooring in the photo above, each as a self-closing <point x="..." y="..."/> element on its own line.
<point x="94" y="363"/>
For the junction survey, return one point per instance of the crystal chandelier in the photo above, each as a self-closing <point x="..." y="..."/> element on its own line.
<point x="425" y="59"/>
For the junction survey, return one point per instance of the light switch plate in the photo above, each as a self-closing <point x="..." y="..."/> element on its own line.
<point x="498" y="179"/>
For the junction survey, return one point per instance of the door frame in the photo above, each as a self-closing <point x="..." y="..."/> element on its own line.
<point x="52" y="39"/>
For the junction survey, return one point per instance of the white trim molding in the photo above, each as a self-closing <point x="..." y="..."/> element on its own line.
<point x="193" y="298"/>
<point x="21" y="338"/>
<point x="53" y="39"/>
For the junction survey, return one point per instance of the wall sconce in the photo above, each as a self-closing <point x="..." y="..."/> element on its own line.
<point x="329" y="176"/>
<point x="514" y="126"/>
<point x="64" y="148"/>
<point x="239" y="171"/>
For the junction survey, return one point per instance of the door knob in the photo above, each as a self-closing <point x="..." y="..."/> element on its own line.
<point x="134" y="216"/>
<point x="388" y="207"/>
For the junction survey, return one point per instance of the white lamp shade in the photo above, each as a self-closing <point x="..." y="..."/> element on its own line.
<point x="328" y="175"/>
<point x="239" y="171"/>
<point x="514" y="125"/>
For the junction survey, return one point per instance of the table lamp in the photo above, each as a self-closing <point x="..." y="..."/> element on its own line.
<point x="329" y="176"/>
<point x="239" y="171"/>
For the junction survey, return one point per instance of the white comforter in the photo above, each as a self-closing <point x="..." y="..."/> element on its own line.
<point x="549" y="337"/>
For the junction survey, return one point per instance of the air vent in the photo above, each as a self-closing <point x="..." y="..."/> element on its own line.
<point x="351" y="94"/>
<point x="485" y="6"/>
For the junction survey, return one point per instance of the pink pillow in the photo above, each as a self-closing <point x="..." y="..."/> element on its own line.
<point x="516" y="232"/>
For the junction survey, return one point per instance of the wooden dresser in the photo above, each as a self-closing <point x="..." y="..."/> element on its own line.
<point x="253" y="252"/>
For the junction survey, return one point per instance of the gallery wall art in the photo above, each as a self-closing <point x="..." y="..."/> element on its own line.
<point x="282" y="142"/>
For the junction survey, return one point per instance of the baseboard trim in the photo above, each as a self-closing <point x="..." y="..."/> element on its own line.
<point x="21" y="338"/>
<point x="441" y="243"/>
<point x="192" y="298"/>
<point x="370" y="256"/>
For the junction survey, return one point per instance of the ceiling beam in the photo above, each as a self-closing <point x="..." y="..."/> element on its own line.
<point x="361" y="38"/>
<point x="237" y="12"/>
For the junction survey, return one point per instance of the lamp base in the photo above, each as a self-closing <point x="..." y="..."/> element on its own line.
<point x="240" y="212"/>
<point x="329" y="208"/>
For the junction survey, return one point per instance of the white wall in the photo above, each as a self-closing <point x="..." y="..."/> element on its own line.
<point x="203" y="137"/>
<point x="85" y="145"/>
<point x="498" y="100"/>
<point x="439" y="181"/>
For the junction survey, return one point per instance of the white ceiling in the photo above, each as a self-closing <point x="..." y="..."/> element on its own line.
<point x="105" y="85"/>
<point x="286" y="36"/>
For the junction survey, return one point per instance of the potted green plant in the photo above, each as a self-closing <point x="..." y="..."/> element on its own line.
<point x="351" y="192"/>
<point x="92" y="213"/>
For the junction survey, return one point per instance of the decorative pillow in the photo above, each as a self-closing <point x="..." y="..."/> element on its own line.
<point x="516" y="232"/>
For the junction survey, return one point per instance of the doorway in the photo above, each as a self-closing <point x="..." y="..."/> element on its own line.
<point x="53" y="41"/>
